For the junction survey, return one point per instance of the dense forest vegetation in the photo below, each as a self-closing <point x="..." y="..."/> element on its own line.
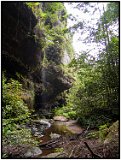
<point x="94" y="97"/>
<point x="37" y="83"/>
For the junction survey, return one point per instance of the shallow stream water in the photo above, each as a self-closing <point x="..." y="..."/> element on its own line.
<point x="60" y="128"/>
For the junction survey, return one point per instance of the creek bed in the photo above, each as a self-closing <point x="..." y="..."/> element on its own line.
<point x="58" y="128"/>
<point x="70" y="144"/>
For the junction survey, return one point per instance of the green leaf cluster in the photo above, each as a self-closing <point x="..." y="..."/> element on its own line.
<point x="94" y="97"/>
<point x="13" y="106"/>
<point x="107" y="20"/>
<point x="111" y="14"/>
<point x="103" y="131"/>
<point x="15" y="114"/>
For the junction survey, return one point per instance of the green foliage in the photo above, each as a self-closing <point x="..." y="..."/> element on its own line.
<point x="109" y="17"/>
<point x="69" y="110"/>
<point x="52" y="19"/>
<point x="13" y="106"/>
<point x="17" y="136"/>
<point x="4" y="155"/>
<point x="111" y="14"/>
<point x="66" y="112"/>
<point x="93" y="134"/>
<point x="15" y="113"/>
<point x="54" y="7"/>
<point x="59" y="149"/>
<point x="94" y="95"/>
<point x="95" y="99"/>
<point x="103" y="131"/>
<point x="32" y="5"/>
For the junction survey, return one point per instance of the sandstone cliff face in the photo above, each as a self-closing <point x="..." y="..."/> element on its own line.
<point x="18" y="43"/>
<point x="22" y="52"/>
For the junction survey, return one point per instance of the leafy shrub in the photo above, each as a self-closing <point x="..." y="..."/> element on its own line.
<point x="14" y="114"/>
<point x="14" y="108"/>
<point x="66" y="112"/>
<point x="103" y="131"/>
<point x="19" y="136"/>
<point x="93" y="134"/>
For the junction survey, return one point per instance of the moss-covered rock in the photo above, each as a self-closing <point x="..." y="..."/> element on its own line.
<point x="111" y="143"/>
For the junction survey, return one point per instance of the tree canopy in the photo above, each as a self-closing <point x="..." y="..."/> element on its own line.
<point x="94" y="98"/>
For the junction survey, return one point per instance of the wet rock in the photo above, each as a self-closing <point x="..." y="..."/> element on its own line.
<point x="33" y="130"/>
<point x="71" y="122"/>
<point x="55" y="155"/>
<point x="111" y="143"/>
<point x="74" y="129"/>
<point x="51" y="121"/>
<point x="23" y="54"/>
<point x="69" y="127"/>
<point x="46" y="122"/>
<point x="21" y="37"/>
<point x="38" y="127"/>
<point x="55" y="82"/>
<point x="21" y="151"/>
<point x="60" y="118"/>
<point x="54" y="135"/>
<point x="37" y="134"/>
<point x="53" y="54"/>
<point x="42" y="122"/>
<point x="33" y="152"/>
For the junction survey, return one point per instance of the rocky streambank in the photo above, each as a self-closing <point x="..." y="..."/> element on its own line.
<point x="67" y="139"/>
<point x="63" y="138"/>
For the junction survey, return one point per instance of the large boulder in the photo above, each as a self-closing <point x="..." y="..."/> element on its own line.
<point x="54" y="135"/>
<point x="55" y="81"/>
<point x="21" y="151"/>
<point x="33" y="152"/>
<point x="60" y="118"/>
<point x="111" y="143"/>
<point x="42" y="122"/>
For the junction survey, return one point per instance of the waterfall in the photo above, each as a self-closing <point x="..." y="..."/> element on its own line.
<point x="43" y="83"/>
<point x="66" y="59"/>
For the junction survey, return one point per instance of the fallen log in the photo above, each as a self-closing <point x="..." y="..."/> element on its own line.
<point x="92" y="153"/>
<point x="47" y="144"/>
